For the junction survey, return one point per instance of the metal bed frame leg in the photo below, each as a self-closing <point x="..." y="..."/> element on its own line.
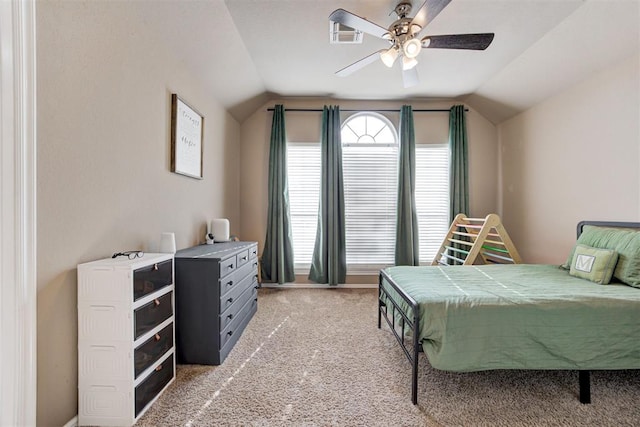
<point x="414" y="368"/>
<point x="585" y="387"/>
<point x="379" y="301"/>
<point x="406" y="321"/>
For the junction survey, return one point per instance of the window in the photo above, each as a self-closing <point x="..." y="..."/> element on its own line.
<point x="370" y="159"/>
<point x="370" y="168"/>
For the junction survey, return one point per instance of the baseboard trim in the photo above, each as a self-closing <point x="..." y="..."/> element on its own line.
<point x="320" y="286"/>
<point x="73" y="422"/>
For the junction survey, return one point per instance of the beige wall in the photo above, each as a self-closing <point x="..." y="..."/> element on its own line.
<point x="575" y="156"/>
<point x="305" y="127"/>
<point x="104" y="180"/>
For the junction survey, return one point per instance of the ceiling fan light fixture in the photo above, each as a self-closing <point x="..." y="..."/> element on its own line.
<point x="389" y="56"/>
<point x="411" y="48"/>
<point x="408" y="63"/>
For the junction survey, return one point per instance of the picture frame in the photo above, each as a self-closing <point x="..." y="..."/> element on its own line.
<point x="187" y="133"/>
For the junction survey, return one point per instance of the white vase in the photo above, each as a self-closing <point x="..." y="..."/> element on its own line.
<point x="168" y="243"/>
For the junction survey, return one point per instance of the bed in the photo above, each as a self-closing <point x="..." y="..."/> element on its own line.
<point x="485" y="317"/>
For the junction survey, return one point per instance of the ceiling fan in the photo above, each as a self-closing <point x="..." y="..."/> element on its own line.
<point x="403" y="37"/>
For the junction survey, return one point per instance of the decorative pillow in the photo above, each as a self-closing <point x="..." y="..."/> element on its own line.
<point x="625" y="241"/>
<point x="593" y="264"/>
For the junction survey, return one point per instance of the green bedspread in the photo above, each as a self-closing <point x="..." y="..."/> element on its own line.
<point x="521" y="317"/>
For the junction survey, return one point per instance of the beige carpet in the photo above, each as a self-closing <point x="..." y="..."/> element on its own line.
<point x="314" y="357"/>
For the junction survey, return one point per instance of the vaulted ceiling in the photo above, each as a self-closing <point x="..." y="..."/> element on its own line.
<point x="250" y="51"/>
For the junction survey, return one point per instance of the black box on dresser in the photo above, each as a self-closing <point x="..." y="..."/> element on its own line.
<point x="216" y="297"/>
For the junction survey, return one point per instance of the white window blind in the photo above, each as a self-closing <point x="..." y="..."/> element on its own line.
<point x="370" y="189"/>
<point x="303" y="168"/>
<point x="432" y="197"/>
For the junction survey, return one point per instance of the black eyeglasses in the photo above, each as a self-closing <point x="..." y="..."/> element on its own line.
<point x="129" y="254"/>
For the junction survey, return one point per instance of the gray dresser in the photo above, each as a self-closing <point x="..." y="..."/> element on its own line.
<point x="216" y="293"/>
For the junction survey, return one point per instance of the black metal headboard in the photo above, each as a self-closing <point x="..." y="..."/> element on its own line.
<point x="581" y="225"/>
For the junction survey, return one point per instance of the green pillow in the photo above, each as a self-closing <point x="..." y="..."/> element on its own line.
<point x="624" y="241"/>
<point x="593" y="264"/>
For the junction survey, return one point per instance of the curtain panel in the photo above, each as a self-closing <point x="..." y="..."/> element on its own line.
<point x="329" y="260"/>
<point x="407" y="235"/>
<point x="277" y="256"/>
<point x="459" y="170"/>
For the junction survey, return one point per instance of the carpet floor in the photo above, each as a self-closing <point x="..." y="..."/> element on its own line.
<point x="315" y="357"/>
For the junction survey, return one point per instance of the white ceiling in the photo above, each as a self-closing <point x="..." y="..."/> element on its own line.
<point x="249" y="51"/>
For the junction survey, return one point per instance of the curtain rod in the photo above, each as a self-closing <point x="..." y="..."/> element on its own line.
<point x="317" y="110"/>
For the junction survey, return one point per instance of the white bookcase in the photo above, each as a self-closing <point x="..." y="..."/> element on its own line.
<point x="126" y="336"/>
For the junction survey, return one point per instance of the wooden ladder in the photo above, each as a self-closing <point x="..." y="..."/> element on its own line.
<point x="477" y="241"/>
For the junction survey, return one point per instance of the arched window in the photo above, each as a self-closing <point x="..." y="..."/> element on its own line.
<point x="370" y="168"/>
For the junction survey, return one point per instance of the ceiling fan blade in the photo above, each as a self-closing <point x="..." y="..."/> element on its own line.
<point x="428" y="11"/>
<point x="359" y="64"/>
<point x="458" y="41"/>
<point x="410" y="77"/>
<point x="354" y="21"/>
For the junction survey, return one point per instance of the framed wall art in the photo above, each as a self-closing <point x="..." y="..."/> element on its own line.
<point x="187" y="131"/>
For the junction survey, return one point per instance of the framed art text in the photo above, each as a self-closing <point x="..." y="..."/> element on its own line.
<point x="187" y="131"/>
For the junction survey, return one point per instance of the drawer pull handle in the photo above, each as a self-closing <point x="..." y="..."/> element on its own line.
<point x="230" y="283"/>
<point x="155" y="267"/>
<point x="230" y="266"/>
<point x="230" y="333"/>
<point x="244" y="258"/>
<point x="230" y="316"/>
<point x="256" y="287"/>
<point x="230" y="300"/>
<point x="156" y="302"/>
<point x="255" y="264"/>
<point x="157" y="337"/>
<point x="158" y="368"/>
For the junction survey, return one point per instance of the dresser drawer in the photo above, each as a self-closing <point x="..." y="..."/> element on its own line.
<point x="251" y="308"/>
<point x="234" y="311"/>
<point x="152" y="349"/>
<point x="232" y="281"/>
<point x="153" y="384"/>
<point x="152" y="314"/>
<point x="231" y="297"/>
<point x="237" y="324"/>
<point x="227" y="266"/>
<point x="242" y="257"/>
<point x="151" y="278"/>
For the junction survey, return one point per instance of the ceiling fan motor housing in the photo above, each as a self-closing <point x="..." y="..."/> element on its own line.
<point x="402" y="31"/>
<point x="403" y="9"/>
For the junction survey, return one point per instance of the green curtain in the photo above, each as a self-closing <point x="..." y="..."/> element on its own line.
<point x="329" y="261"/>
<point x="459" y="171"/>
<point x="277" y="256"/>
<point x="407" y="236"/>
<point x="459" y="168"/>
